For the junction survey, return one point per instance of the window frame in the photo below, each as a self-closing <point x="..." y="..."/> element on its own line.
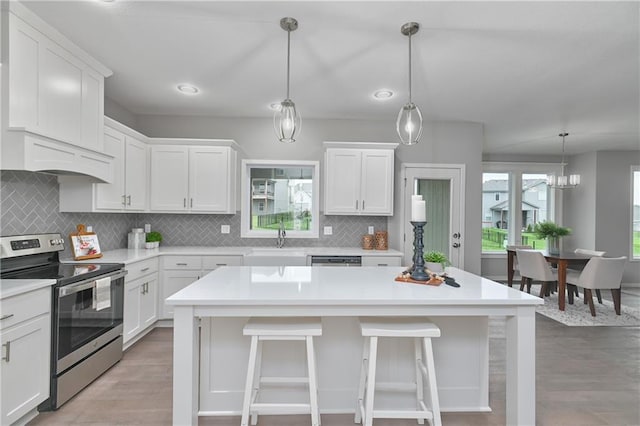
<point x="634" y="170"/>
<point x="515" y="171"/>
<point x="245" y="212"/>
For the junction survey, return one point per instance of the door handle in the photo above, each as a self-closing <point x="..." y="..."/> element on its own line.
<point x="7" y="353"/>
<point x="456" y="245"/>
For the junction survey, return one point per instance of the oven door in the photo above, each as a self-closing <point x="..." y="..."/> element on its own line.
<point x="87" y="316"/>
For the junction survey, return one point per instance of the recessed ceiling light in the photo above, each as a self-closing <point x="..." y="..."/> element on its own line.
<point x="276" y="106"/>
<point x="383" y="94"/>
<point x="188" y="89"/>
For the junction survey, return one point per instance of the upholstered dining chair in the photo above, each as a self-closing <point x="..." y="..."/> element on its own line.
<point x="533" y="266"/>
<point x="600" y="273"/>
<point x="515" y="259"/>
<point x="574" y="288"/>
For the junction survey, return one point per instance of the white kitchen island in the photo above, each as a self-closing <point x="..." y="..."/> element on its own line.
<point x="210" y="360"/>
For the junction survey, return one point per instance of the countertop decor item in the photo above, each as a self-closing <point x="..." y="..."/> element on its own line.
<point x="367" y="242"/>
<point x="84" y="244"/>
<point x="153" y="239"/>
<point x="382" y="240"/>
<point x="435" y="261"/>
<point x="417" y="271"/>
<point x="552" y="233"/>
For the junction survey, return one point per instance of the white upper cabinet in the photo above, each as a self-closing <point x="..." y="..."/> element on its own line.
<point x="128" y="190"/>
<point x="198" y="179"/>
<point x="55" y="94"/>
<point x="359" y="178"/>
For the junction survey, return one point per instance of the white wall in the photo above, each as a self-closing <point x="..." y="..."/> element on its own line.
<point x="442" y="142"/>
<point x="579" y="204"/>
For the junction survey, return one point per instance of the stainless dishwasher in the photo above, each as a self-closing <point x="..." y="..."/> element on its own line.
<point x="336" y="260"/>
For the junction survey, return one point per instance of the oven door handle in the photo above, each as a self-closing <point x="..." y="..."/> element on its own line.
<point x="75" y="288"/>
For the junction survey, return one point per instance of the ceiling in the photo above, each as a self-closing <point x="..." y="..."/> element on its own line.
<point x="526" y="70"/>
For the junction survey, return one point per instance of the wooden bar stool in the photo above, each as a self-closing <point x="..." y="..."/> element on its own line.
<point x="280" y="329"/>
<point x="421" y="331"/>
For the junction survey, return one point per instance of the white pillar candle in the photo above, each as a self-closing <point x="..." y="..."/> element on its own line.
<point x="418" y="211"/>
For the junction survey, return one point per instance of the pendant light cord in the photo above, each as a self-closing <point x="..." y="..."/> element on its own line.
<point x="288" y="58"/>
<point x="409" y="67"/>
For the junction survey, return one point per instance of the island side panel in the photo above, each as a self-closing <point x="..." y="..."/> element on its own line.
<point x="461" y="358"/>
<point x="185" y="366"/>
<point x="521" y="367"/>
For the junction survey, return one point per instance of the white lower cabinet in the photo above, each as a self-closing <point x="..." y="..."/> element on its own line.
<point x="25" y="326"/>
<point x="180" y="271"/>
<point x="140" y="298"/>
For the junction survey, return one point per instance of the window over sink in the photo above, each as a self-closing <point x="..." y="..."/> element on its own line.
<point x="279" y="193"/>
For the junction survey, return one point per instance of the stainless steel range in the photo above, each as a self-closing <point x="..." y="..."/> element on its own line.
<point x="86" y="310"/>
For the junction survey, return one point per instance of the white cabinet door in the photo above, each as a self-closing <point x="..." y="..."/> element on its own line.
<point x="24" y="368"/>
<point x="377" y="182"/>
<point x="169" y="178"/>
<point x="149" y="301"/>
<point x="92" y="110"/>
<point x="111" y="196"/>
<point x="132" y="315"/>
<point x="208" y="179"/>
<point x="60" y="91"/>
<point x="342" y="188"/>
<point x="23" y="74"/>
<point x="135" y="174"/>
<point x="173" y="281"/>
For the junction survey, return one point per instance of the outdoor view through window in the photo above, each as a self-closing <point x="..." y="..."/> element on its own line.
<point x="496" y="206"/>
<point x="281" y="195"/>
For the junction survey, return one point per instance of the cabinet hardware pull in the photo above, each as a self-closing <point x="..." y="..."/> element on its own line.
<point x="7" y="354"/>
<point x="356" y="204"/>
<point x="184" y="203"/>
<point x="382" y="264"/>
<point x="362" y="204"/>
<point x="4" y="317"/>
<point x="191" y="203"/>
<point x="144" y="269"/>
<point x="181" y="264"/>
<point x="221" y="264"/>
<point x="128" y="200"/>
<point x="124" y="200"/>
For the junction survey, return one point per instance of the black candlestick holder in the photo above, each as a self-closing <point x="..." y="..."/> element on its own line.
<point x="417" y="272"/>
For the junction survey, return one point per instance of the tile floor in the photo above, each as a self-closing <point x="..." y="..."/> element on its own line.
<point x="585" y="376"/>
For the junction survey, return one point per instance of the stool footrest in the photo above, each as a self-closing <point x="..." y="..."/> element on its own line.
<point x="283" y="380"/>
<point x="402" y="414"/>
<point x="279" y="408"/>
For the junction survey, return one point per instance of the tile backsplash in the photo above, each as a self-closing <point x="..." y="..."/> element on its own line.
<point x="30" y="204"/>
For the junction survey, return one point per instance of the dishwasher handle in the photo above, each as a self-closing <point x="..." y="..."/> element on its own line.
<point x="336" y="260"/>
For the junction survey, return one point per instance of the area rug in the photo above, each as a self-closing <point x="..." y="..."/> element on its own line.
<point x="578" y="314"/>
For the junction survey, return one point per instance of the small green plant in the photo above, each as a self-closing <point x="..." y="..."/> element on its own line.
<point x="436" y="257"/>
<point x="545" y="230"/>
<point x="154" y="236"/>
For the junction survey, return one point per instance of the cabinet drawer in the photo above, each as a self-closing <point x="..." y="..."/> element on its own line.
<point x="24" y="306"/>
<point x="213" y="262"/>
<point x="139" y="269"/>
<point x="182" y="262"/>
<point x="381" y="261"/>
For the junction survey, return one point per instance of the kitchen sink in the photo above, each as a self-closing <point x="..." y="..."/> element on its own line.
<point x="273" y="256"/>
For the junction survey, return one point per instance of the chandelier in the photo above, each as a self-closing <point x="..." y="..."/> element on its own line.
<point x="563" y="181"/>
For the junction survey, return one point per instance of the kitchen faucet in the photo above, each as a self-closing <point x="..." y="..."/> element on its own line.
<point x="281" y="234"/>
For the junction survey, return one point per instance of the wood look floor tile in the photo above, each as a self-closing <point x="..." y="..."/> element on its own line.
<point x="585" y="376"/>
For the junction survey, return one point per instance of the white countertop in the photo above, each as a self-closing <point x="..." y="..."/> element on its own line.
<point x="304" y="285"/>
<point x="10" y="288"/>
<point x="127" y="256"/>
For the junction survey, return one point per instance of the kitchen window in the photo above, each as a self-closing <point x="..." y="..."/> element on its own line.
<point x="279" y="194"/>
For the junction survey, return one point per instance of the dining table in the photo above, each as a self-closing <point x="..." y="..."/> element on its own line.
<point x="563" y="260"/>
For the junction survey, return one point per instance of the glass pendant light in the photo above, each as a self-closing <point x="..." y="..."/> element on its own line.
<point x="562" y="181"/>
<point x="286" y="119"/>
<point x="409" y="123"/>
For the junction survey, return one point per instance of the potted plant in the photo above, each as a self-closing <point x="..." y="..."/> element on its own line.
<point x="435" y="261"/>
<point x="153" y="239"/>
<point x="551" y="232"/>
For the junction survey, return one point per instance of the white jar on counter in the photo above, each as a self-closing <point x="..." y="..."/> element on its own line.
<point x="136" y="239"/>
